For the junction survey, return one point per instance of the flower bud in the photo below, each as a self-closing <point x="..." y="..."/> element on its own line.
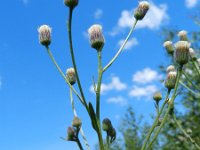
<point x="171" y="80"/>
<point x="106" y="124"/>
<point x="71" y="3"/>
<point x="157" y="96"/>
<point x="168" y="45"/>
<point x="76" y="122"/>
<point x="192" y="54"/>
<point x="141" y="10"/>
<point x="96" y="37"/>
<point x="170" y="68"/>
<point x="112" y="133"/>
<point x="183" y="35"/>
<point x="71" y="75"/>
<point x="44" y="35"/>
<point x="181" y="54"/>
<point x="70" y="134"/>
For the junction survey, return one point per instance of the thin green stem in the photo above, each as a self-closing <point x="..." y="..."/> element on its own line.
<point x="72" y="56"/>
<point x="107" y="142"/>
<point x="75" y="115"/>
<point x="188" y="79"/>
<point x="155" y="121"/>
<point x="185" y="133"/>
<point x="168" y="109"/>
<point x="195" y="63"/>
<point x="62" y="74"/>
<point x="121" y="48"/>
<point x="79" y="144"/>
<point x="197" y="94"/>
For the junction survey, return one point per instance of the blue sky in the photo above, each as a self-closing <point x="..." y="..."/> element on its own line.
<point x="35" y="108"/>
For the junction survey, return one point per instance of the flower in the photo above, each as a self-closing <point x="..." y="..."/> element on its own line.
<point x="96" y="37"/>
<point x="168" y="45"/>
<point x="71" y="76"/>
<point x="44" y="35"/>
<point x="183" y="35"/>
<point x="141" y="10"/>
<point x="181" y="54"/>
<point x="71" y="3"/>
<point x="171" y="80"/>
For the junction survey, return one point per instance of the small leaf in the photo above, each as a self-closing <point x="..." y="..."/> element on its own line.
<point x="93" y="117"/>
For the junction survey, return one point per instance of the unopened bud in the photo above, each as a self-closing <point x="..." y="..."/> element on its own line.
<point x="170" y="68"/>
<point x="71" y="75"/>
<point x="112" y="133"/>
<point x="106" y="124"/>
<point x="96" y="37"/>
<point x="171" y="80"/>
<point x="71" y="3"/>
<point x="76" y="122"/>
<point x="141" y="10"/>
<point x="44" y="35"/>
<point x="192" y="54"/>
<point x="181" y="54"/>
<point x="157" y="96"/>
<point x="168" y="45"/>
<point x="183" y="35"/>
<point x="70" y="134"/>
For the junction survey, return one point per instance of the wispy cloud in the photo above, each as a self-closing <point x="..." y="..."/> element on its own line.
<point x="115" y="84"/>
<point x="98" y="14"/>
<point x="191" y="3"/>
<point x="118" y="100"/>
<point x="155" y="17"/>
<point x="143" y="92"/>
<point x="129" y="45"/>
<point x="145" y="76"/>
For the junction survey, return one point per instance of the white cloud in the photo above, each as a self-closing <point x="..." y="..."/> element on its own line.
<point x="119" y="100"/>
<point x="98" y="13"/>
<point x="145" y="92"/>
<point x="25" y="2"/>
<point x="191" y="3"/>
<point x="132" y="42"/>
<point x="146" y="75"/>
<point x="156" y="16"/>
<point x="115" y="84"/>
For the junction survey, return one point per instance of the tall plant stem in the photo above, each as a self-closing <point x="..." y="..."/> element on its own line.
<point x="188" y="78"/>
<point x="72" y="56"/>
<point x="75" y="115"/>
<point x="63" y="75"/>
<point x="79" y="144"/>
<point x="155" y="121"/>
<point x="98" y="94"/>
<point x="121" y="48"/>
<point x="171" y="105"/>
<point x="196" y="65"/>
<point x="185" y="133"/>
<point x="197" y="94"/>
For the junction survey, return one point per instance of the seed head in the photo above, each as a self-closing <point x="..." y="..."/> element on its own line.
<point x="76" y="122"/>
<point x="96" y="37"/>
<point x="157" y="96"/>
<point x="141" y="10"/>
<point x="183" y="35"/>
<point x="71" y="3"/>
<point x="181" y="54"/>
<point x="168" y="45"/>
<point x="71" y="75"/>
<point x="171" y="80"/>
<point x="170" y="68"/>
<point x="44" y="35"/>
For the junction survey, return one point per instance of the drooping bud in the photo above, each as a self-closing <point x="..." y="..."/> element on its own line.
<point x="181" y="53"/>
<point x="157" y="96"/>
<point x="168" y="45"/>
<point x="96" y="37"/>
<point x="183" y="35"/>
<point x="170" y="68"/>
<point x="112" y="133"/>
<point x="106" y="124"/>
<point x="71" y="75"/>
<point x="141" y="10"/>
<point x="192" y="54"/>
<point x="45" y="35"/>
<point x="171" y="80"/>
<point x="71" y="3"/>
<point x="76" y="122"/>
<point x="70" y="134"/>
